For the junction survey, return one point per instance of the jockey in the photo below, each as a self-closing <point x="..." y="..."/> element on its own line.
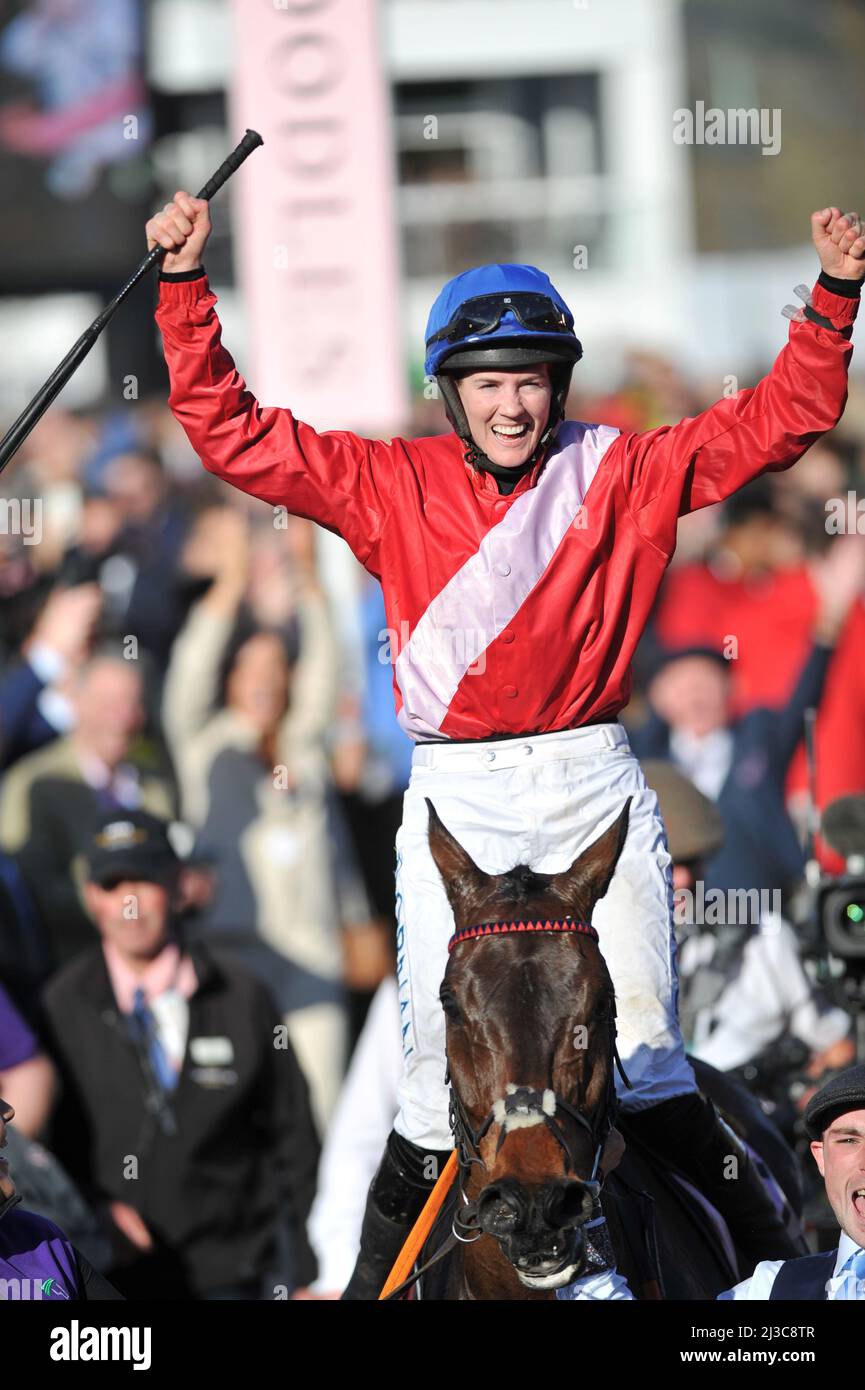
<point x="520" y="557"/>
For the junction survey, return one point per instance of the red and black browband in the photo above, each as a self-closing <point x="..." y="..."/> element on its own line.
<point x="564" y="924"/>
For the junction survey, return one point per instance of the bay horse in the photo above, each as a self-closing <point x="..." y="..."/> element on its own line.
<point x="530" y="1037"/>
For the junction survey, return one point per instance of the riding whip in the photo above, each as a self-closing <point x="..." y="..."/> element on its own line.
<point x="15" y="436"/>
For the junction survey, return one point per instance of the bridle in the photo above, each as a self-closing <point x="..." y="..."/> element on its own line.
<point x="522" y="1104"/>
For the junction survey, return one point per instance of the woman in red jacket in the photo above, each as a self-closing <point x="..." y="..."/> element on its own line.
<point x="519" y="558"/>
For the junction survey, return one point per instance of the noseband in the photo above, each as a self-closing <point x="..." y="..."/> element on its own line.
<point x="523" y="1106"/>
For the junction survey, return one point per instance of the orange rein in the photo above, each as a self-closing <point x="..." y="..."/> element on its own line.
<point x="408" y="1256"/>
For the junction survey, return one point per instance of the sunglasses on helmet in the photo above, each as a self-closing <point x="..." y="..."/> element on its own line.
<point x="486" y="311"/>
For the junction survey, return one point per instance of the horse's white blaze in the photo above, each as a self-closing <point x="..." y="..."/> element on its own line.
<point x="522" y="1117"/>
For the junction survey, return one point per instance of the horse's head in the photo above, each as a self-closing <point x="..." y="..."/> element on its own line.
<point x="531" y="1043"/>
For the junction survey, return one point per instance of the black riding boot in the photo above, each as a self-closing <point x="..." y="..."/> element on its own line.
<point x="688" y="1132"/>
<point x="397" y="1194"/>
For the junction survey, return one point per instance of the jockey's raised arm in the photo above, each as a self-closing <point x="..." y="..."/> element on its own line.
<point x="676" y="469"/>
<point x="336" y="478"/>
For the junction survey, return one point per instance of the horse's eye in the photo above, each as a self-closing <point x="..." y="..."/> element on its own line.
<point x="450" y="1005"/>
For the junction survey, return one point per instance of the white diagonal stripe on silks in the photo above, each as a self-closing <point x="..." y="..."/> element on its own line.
<point x="478" y="602"/>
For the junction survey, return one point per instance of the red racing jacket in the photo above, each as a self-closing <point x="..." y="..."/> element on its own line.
<point x="518" y="614"/>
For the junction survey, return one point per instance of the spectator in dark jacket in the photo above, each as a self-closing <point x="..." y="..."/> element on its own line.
<point x="186" y="1112"/>
<point x="741" y="764"/>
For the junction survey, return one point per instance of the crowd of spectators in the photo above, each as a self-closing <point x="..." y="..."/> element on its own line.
<point x="170" y="657"/>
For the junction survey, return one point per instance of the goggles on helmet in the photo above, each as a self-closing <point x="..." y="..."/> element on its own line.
<point x="485" y="312"/>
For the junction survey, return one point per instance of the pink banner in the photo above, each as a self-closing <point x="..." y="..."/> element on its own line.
<point x="316" y="248"/>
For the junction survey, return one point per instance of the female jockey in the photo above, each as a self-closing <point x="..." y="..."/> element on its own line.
<point x="520" y="557"/>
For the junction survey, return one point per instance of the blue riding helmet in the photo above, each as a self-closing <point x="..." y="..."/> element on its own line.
<point x="536" y="330"/>
<point x="500" y="316"/>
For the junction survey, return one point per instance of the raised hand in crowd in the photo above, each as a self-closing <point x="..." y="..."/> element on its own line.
<point x="67" y="623"/>
<point x="218" y="548"/>
<point x="282" y="570"/>
<point x="839" y="580"/>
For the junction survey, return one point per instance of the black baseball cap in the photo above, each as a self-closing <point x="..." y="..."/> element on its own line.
<point x="131" y="845"/>
<point x="844" y="1092"/>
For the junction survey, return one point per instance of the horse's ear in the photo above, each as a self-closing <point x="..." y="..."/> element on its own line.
<point x="591" y="872"/>
<point x="460" y="874"/>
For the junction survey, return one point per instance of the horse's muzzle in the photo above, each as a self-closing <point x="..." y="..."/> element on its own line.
<point x="539" y="1229"/>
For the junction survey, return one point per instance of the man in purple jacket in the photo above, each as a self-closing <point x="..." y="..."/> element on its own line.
<point x="36" y="1258"/>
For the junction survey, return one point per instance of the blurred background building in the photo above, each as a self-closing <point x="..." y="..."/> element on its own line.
<point x="540" y="133"/>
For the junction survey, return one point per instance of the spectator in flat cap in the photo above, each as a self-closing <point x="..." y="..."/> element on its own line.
<point x="842" y="1093"/>
<point x="742" y="985"/>
<point x="742" y="764"/>
<point x="835" y="1121"/>
<point x="186" y="1116"/>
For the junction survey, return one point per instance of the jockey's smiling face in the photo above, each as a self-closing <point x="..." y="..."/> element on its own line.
<point x="507" y="411"/>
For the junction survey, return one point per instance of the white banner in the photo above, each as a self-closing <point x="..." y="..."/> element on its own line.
<point x="316" y="237"/>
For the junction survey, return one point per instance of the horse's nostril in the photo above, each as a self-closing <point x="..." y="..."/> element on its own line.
<point x="500" y="1209"/>
<point x="568" y="1205"/>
